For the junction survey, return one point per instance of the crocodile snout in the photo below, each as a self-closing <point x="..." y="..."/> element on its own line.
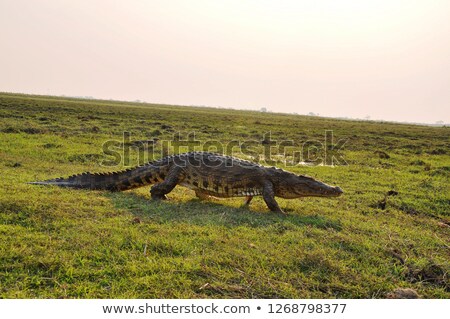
<point x="338" y="191"/>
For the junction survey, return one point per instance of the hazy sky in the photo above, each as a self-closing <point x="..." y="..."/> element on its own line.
<point x="388" y="59"/>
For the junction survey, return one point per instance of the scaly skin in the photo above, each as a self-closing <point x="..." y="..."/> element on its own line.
<point x="208" y="174"/>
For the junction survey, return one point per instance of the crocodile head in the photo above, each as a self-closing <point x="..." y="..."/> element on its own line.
<point x="295" y="186"/>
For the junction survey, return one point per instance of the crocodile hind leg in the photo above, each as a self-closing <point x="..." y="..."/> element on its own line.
<point x="174" y="176"/>
<point x="269" y="198"/>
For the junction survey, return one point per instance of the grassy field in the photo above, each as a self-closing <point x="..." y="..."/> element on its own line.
<point x="61" y="243"/>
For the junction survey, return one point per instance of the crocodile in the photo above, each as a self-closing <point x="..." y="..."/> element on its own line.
<point x="209" y="175"/>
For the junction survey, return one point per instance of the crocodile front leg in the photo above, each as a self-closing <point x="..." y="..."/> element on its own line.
<point x="247" y="201"/>
<point x="269" y="198"/>
<point x="174" y="176"/>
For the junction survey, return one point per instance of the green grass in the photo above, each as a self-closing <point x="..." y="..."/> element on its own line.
<point x="61" y="243"/>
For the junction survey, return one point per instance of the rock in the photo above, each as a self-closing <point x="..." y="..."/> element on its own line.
<point x="403" y="293"/>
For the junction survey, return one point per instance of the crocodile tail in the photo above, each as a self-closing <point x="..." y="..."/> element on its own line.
<point x="115" y="181"/>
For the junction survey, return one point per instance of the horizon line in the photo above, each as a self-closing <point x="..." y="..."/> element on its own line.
<point x="138" y="101"/>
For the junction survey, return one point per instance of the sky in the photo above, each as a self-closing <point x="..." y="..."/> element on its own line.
<point x="384" y="59"/>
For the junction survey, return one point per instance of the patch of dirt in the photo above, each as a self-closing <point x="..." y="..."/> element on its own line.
<point x="14" y="165"/>
<point x="409" y="210"/>
<point x="382" y="154"/>
<point x="10" y="130"/>
<point x="392" y="193"/>
<point x="136" y="220"/>
<point x="444" y="171"/>
<point x="418" y="162"/>
<point x="438" y="151"/>
<point x="431" y="273"/>
<point x="89" y="117"/>
<point x="381" y="204"/>
<point x="51" y="145"/>
<point x="403" y="293"/>
<point x="33" y="130"/>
